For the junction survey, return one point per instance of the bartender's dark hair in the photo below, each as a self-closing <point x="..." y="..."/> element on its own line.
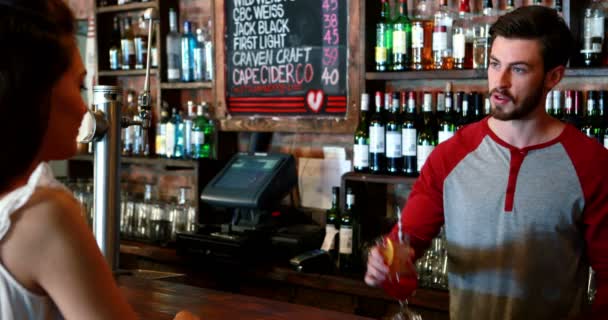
<point x="539" y="23"/>
<point x="36" y="50"/>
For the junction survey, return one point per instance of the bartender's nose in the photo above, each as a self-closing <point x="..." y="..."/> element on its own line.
<point x="502" y="78"/>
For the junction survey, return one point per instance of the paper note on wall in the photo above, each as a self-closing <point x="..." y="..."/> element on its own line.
<point x="317" y="177"/>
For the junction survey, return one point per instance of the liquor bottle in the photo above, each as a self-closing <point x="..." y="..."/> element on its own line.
<point x="409" y="135"/>
<point x="558" y="6"/>
<point x="199" y="56"/>
<point x="510" y="6"/>
<point x="538" y="2"/>
<point x="440" y="107"/>
<point x="332" y="222"/>
<point x="208" y="54"/>
<point x="376" y="138"/>
<point x="127" y="46"/>
<point x="592" y="126"/>
<point x="549" y="104"/>
<point x="467" y="114"/>
<point x="557" y="104"/>
<point x="210" y="133"/>
<point x="422" y="38"/>
<point x="198" y="133"/>
<point x="393" y="138"/>
<point x="402" y="39"/>
<point x="188" y="42"/>
<point x="442" y="37"/>
<point x="188" y="120"/>
<point x="170" y="136"/>
<point x="488" y="8"/>
<point x="462" y="38"/>
<point x="384" y="41"/>
<point x="347" y="234"/>
<point x="478" y="106"/>
<point x="141" y="146"/>
<point x="361" y="145"/>
<point x="115" y="53"/>
<point x="571" y="106"/>
<point x="127" y="133"/>
<point x="447" y="126"/>
<point x="427" y="139"/>
<point x="141" y="43"/>
<point x="174" y="54"/>
<point x="161" y="133"/>
<point x="593" y="34"/>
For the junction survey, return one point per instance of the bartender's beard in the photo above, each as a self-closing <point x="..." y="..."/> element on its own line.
<point x="521" y="110"/>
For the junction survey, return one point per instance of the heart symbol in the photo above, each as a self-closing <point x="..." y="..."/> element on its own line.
<point x="314" y="99"/>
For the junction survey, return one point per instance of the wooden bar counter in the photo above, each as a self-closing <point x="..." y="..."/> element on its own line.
<point x="161" y="300"/>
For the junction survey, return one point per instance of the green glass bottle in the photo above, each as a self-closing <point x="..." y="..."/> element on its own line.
<point x="377" y="155"/>
<point x="393" y="138"/>
<point x="361" y="145"/>
<point x="592" y="125"/>
<point x="210" y="132"/>
<point x="347" y="235"/>
<point x="447" y="125"/>
<point x="198" y="134"/>
<point x="384" y="38"/>
<point x="427" y="139"/>
<point x="332" y="222"/>
<point x="409" y="135"/>
<point x="402" y="39"/>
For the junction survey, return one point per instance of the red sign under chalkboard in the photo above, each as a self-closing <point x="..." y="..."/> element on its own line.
<point x="286" y="57"/>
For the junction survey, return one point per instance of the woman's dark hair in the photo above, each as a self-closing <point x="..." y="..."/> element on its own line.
<point x="36" y="51"/>
<point x="538" y="23"/>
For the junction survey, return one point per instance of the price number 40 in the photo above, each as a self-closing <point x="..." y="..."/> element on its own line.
<point x="330" y="77"/>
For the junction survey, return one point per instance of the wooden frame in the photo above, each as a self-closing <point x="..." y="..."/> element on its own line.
<point x="325" y="124"/>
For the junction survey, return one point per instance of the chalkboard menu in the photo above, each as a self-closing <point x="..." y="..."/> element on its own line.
<point x="286" y="57"/>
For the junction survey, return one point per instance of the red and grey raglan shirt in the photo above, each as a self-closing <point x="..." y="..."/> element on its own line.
<point x="522" y="225"/>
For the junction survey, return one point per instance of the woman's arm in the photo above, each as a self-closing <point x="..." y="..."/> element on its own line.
<point x="50" y="247"/>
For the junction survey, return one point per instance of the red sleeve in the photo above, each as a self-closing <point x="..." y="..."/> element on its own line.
<point x="422" y="215"/>
<point x="590" y="161"/>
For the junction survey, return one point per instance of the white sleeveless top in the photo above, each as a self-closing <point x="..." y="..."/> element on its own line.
<point x="17" y="302"/>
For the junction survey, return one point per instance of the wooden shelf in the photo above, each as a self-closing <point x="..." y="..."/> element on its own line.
<point x="178" y="163"/>
<point x="186" y="85"/>
<point x="378" y="178"/>
<point x="468" y="74"/>
<point x="128" y="7"/>
<point x="126" y="73"/>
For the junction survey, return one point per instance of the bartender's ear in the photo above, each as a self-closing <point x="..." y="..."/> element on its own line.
<point x="554" y="76"/>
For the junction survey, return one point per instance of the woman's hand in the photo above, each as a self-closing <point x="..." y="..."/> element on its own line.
<point x="186" y="315"/>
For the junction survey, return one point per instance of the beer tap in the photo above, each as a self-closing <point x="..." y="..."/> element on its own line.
<point x="103" y="127"/>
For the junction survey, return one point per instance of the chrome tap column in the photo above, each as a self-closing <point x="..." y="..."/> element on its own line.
<point x="106" y="221"/>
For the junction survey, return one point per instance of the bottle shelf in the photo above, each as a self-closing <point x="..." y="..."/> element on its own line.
<point x="470" y="74"/>
<point x="126" y="73"/>
<point x="378" y="178"/>
<point x="128" y="7"/>
<point x="186" y="85"/>
<point x="177" y="163"/>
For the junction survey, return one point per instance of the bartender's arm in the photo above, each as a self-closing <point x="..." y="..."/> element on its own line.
<point x="596" y="237"/>
<point x="421" y="219"/>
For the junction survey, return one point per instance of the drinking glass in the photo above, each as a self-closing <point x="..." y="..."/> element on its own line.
<point x="401" y="279"/>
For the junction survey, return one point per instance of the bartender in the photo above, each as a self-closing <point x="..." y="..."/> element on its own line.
<point x="50" y="265"/>
<point x="524" y="197"/>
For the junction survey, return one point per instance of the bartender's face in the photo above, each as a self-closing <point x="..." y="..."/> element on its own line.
<point x="66" y="112"/>
<point x="516" y="78"/>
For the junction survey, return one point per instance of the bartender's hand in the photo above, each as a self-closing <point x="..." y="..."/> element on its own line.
<point x="186" y="315"/>
<point x="377" y="269"/>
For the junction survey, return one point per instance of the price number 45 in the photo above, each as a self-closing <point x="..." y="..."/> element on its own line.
<point x="330" y="5"/>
